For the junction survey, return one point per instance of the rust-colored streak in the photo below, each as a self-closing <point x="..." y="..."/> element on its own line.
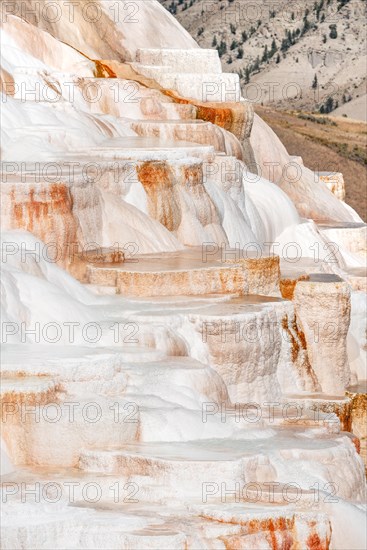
<point x="300" y="334"/>
<point x="298" y="345"/>
<point x="159" y="182"/>
<point x="288" y="286"/>
<point x="231" y="117"/>
<point x="277" y="533"/>
<point x="103" y="70"/>
<point x="154" y="174"/>
<point x="315" y="543"/>
<point x="44" y="203"/>
<point x="45" y="211"/>
<point x="357" y="443"/>
<point x="193" y="175"/>
<point x="221" y="116"/>
<point x="292" y="339"/>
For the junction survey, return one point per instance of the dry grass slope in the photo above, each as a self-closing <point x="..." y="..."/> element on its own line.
<point x="326" y="143"/>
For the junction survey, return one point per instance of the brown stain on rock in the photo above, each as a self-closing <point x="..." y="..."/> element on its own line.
<point x="261" y="275"/>
<point x="300" y="334"/>
<point x="357" y="443"/>
<point x="280" y="534"/>
<point x="41" y="204"/>
<point x="103" y="70"/>
<point x="45" y="211"/>
<point x="155" y="174"/>
<point x="344" y="416"/>
<point x="159" y="183"/>
<point x="358" y="422"/>
<point x="18" y="397"/>
<point x="359" y="404"/>
<point x="288" y="286"/>
<point x="193" y="175"/>
<point x="279" y="526"/>
<point x="277" y="532"/>
<point x="299" y="355"/>
<point x="314" y="542"/>
<point x="237" y="118"/>
<point x="7" y="83"/>
<point x="191" y="282"/>
<point x="294" y="344"/>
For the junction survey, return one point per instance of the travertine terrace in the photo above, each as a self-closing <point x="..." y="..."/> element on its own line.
<point x="183" y="303"/>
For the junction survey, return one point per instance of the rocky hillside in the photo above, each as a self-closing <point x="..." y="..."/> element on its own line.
<point x="306" y="55"/>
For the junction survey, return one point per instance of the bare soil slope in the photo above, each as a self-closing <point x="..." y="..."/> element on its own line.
<point x="326" y="143"/>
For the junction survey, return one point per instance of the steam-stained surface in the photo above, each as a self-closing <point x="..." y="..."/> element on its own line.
<point x="165" y="260"/>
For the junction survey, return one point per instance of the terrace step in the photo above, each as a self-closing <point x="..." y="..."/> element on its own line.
<point x="135" y="148"/>
<point x="334" y="182"/>
<point x="192" y="60"/>
<point x="122" y="524"/>
<point x="302" y="270"/>
<point x="78" y="370"/>
<point x="252" y="341"/>
<point x="26" y="390"/>
<point x="197" y="131"/>
<point x="189" y="273"/>
<point x="178" y="111"/>
<point x="126" y="98"/>
<point x="101" y="256"/>
<point x="99" y="399"/>
<point x="356" y="277"/>
<point x="51" y="434"/>
<point x="205" y="87"/>
<point x="351" y="236"/>
<point x="182" y="471"/>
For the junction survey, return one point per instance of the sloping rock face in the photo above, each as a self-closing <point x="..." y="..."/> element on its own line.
<point x="106" y="30"/>
<point x="183" y="319"/>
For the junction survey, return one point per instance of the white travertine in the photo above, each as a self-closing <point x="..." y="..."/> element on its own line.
<point x="197" y="385"/>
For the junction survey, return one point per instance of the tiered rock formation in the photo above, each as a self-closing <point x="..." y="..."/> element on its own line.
<point x="183" y="352"/>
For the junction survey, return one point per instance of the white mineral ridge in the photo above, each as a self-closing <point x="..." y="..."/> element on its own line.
<point x="19" y="38"/>
<point x="111" y="30"/>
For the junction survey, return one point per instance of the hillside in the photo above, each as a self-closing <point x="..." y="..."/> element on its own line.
<point x="307" y="56"/>
<point x="326" y="143"/>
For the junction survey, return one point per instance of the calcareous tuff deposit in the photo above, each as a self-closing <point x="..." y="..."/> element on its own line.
<point x="183" y="303"/>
